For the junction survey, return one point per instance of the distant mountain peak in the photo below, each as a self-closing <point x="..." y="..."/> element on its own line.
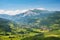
<point x="32" y="12"/>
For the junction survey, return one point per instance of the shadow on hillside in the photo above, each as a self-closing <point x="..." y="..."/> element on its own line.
<point x="41" y="38"/>
<point x="52" y="38"/>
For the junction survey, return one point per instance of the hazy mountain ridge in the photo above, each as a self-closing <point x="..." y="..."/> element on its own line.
<point x="28" y="14"/>
<point x="4" y="25"/>
<point x="32" y="16"/>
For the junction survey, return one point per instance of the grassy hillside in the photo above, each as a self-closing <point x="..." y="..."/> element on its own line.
<point x="46" y="28"/>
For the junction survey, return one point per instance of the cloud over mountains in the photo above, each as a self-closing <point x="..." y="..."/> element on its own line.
<point x="14" y="12"/>
<point x="11" y="12"/>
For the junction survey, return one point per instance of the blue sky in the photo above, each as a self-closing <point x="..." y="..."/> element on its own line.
<point x="27" y="4"/>
<point x="13" y="7"/>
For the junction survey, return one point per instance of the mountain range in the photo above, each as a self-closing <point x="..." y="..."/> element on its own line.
<point x="26" y="15"/>
<point x="34" y="17"/>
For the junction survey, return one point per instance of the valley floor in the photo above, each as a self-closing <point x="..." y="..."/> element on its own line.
<point x="36" y="34"/>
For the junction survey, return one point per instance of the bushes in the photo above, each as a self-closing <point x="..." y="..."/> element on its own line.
<point x="52" y="38"/>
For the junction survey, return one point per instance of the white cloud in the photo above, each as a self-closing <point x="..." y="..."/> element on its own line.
<point x="11" y="12"/>
<point x="37" y="8"/>
<point x="41" y="8"/>
<point x="1" y="11"/>
<point x="14" y="12"/>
